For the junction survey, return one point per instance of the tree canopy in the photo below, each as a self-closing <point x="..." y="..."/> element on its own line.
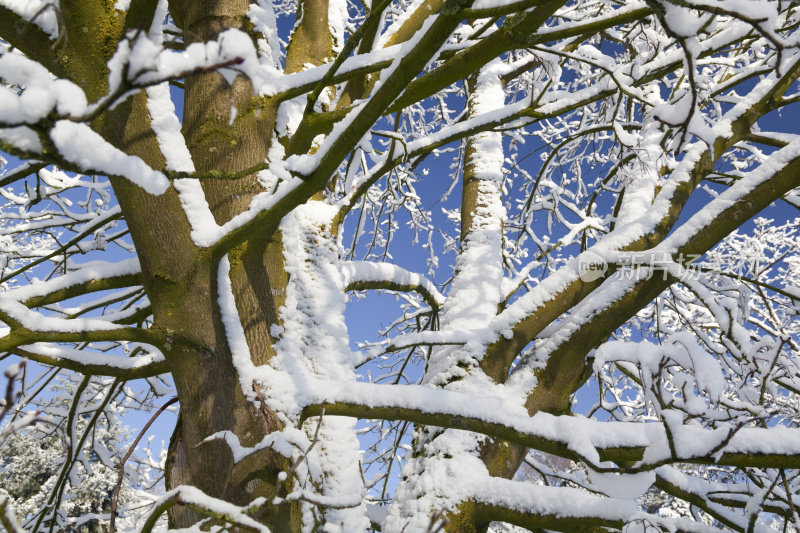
<point x="586" y="211"/>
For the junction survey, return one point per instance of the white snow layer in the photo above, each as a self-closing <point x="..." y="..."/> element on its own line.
<point x="82" y="146"/>
<point x="312" y="345"/>
<point x="42" y="13"/>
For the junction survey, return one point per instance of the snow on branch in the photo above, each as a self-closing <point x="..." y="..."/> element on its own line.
<point x="39" y="12"/>
<point x="198" y="501"/>
<point x="94" y="363"/>
<point x="361" y="275"/>
<point x="590" y="441"/>
<point x="28" y="331"/>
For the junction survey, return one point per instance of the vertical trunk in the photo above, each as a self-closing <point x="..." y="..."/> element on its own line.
<point x="183" y="287"/>
<point x="472" y="302"/>
<point x="211" y="395"/>
<point x="315" y="340"/>
<point x="212" y="400"/>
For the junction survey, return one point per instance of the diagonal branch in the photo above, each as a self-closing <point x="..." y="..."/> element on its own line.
<point x="560" y="378"/>
<point x="516" y="32"/>
<point x="30" y="40"/>
<point x="565" y="294"/>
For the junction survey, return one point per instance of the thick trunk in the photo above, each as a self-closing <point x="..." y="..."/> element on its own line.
<point x="212" y="400"/>
<point x="180" y="279"/>
<point x="207" y="382"/>
<point x="181" y="284"/>
<point x="208" y="385"/>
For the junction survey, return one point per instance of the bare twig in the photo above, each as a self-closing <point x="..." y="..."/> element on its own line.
<point x="121" y="465"/>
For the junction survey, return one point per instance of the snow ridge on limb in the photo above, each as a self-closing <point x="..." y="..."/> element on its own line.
<point x="591" y="441"/>
<point x="315" y="291"/>
<point x="313" y="342"/>
<point x="446" y="456"/>
<point x="80" y="145"/>
<point x="91" y="271"/>
<point x="204" y="504"/>
<point x="364" y="274"/>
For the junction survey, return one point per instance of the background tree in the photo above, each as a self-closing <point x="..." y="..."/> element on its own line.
<point x="32" y="462"/>
<point x="605" y="162"/>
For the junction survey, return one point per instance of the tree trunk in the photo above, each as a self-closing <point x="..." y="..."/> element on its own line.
<point x="181" y="279"/>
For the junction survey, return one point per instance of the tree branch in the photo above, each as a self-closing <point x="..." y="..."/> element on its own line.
<point x="81" y="289"/>
<point x="361" y="275"/>
<point x="98" y="364"/>
<point x="516" y="32"/>
<point x="30" y="39"/>
<point x="623" y="443"/>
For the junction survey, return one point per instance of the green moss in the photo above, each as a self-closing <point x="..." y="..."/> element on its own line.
<point x="93" y="30"/>
<point x="463" y="520"/>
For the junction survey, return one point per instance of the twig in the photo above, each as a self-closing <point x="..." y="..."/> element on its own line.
<point x="121" y="465"/>
<point x="7" y="517"/>
<point x="10" y="374"/>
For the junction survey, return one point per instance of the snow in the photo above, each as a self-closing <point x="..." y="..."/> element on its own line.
<point x="85" y="357"/>
<point x="612" y="289"/>
<point x="679" y="348"/>
<point x="188" y="494"/>
<point x="565" y="25"/>
<point x="205" y="231"/>
<point x="82" y="146"/>
<point x="626" y="486"/>
<point x="581" y="435"/>
<point x="276" y="85"/>
<point x="488" y="4"/>
<point x="313" y="342"/>
<point x="365" y="271"/>
<point x="682" y="21"/>
<point x="276" y="441"/>
<point x="315" y="291"/>
<point x="15" y="312"/>
<point x="560" y="502"/>
<point x="8" y="515"/>
<point x="385" y="37"/>
<point x="91" y="270"/>
<point x="38" y="12"/>
<point x="337" y="21"/>
<point x="728" y="198"/>
<point x="149" y="62"/>
<point x="237" y="342"/>
<point x="477" y="286"/>
<point x="167" y="128"/>
<point x="22" y="137"/>
<point x="290" y="113"/>
<point x="691" y="485"/>
<point x="41" y="95"/>
<point x="165" y="124"/>
<point x="306" y="164"/>
<point x="262" y="16"/>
